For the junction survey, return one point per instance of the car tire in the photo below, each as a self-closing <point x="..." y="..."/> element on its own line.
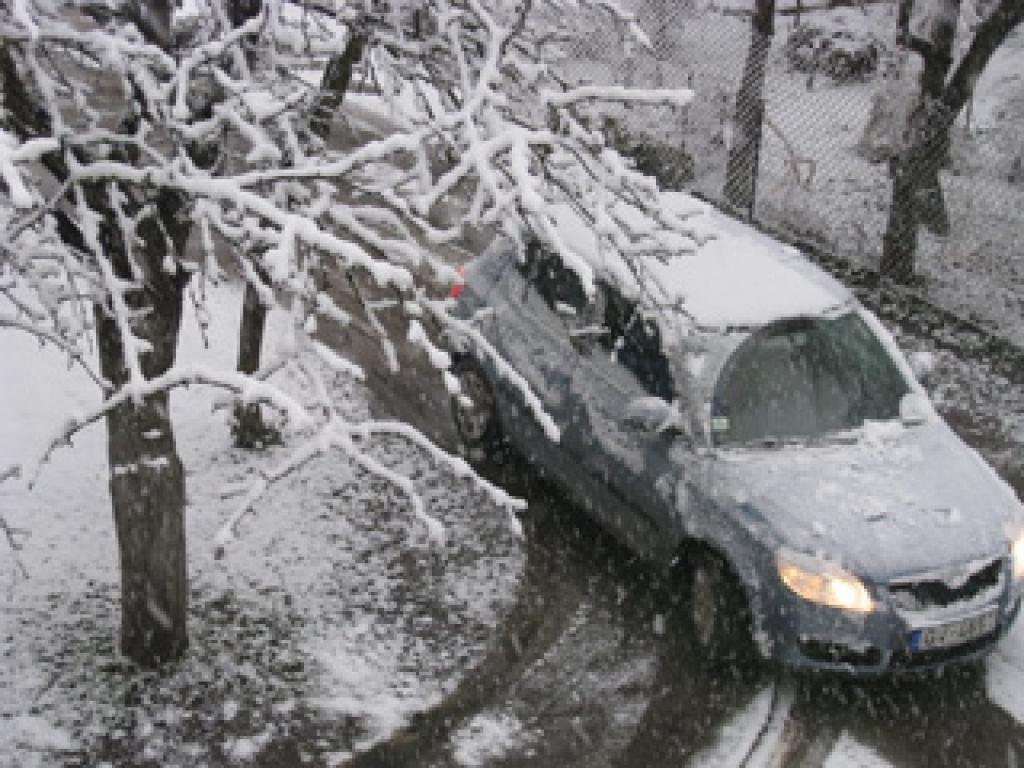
<point x="477" y="426"/>
<point x="719" y="612"/>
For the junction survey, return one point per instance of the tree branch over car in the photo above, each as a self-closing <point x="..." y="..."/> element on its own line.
<point x="121" y="135"/>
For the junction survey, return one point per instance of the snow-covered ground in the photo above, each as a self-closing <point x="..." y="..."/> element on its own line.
<point x="331" y="620"/>
<point x="326" y="625"/>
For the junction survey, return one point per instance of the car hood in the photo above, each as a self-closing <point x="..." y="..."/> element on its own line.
<point x="896" y="501"/>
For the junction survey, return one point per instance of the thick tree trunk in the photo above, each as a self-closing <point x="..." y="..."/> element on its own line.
<point x="147" y="482"/>
<point x="146" y="478"/>
<point x="147" y="488"/>
<point x="745" y="152"/>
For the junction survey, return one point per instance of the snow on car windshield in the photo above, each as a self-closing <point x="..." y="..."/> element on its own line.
<point x="805" y="377"/>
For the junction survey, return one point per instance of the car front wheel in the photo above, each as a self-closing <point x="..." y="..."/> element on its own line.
<point x="719" y="612"/>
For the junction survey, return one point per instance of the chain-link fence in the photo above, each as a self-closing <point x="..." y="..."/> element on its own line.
<point x="823" y="172"/>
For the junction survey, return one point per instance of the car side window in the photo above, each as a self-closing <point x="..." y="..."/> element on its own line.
<point x="559" y="286"/>
<point x="635" y="342"/>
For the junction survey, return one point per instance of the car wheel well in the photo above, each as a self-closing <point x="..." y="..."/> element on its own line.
<point x="690" y="553"/>
<point x="688" y="548"/>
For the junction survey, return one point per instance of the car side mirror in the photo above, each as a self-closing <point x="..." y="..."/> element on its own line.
<point x="914" y="409"/>
<point x="923" y="365"/>
<point x="653" y="414"/>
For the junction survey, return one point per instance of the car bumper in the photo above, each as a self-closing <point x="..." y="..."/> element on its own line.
<point x="803" y="635"/>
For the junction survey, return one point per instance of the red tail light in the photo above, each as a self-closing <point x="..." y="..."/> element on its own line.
<point x="460" y="284"/>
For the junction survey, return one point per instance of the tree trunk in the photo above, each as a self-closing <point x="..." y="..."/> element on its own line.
<point x="249" y="429"/>
<point x="744" y="154"/>
<point x="917" y="197"/>
<point x="335" y="83"/>
<point x="147" y="488"/>
<point x="146" y="479"/>
<point x="147" y="482"/>
<point x="928" y="140"/>
<point x="899" y="244"/>
<point x="938" y="58"/>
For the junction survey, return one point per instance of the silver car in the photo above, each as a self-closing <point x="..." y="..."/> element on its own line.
<point x="764" y="436"/>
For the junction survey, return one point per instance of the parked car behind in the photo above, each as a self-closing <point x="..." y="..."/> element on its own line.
<point x="736" y="413"/>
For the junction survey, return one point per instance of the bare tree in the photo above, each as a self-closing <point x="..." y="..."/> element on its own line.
<point x="100" y="205"/>
<point x="938" y="99"/>
<point x="140" y="238"/>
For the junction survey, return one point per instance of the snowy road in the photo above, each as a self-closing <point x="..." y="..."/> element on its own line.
<point x="591" y="670"/>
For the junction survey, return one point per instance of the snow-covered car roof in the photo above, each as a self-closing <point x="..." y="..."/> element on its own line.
<point x="727" y="275"/>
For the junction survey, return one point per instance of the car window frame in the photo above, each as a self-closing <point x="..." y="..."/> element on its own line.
<point x="622" y="318"/>
<point x="549" y="276"/>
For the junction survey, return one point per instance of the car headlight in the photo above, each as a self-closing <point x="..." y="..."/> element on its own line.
<point x="825" y="583"/>
<point x="1017" y="550"/>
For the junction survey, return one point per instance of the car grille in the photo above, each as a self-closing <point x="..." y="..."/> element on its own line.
<point x="930" y="593"/>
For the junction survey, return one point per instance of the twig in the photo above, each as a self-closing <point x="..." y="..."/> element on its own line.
<point x="794" y="159"/>
<point x="10" y="473"/>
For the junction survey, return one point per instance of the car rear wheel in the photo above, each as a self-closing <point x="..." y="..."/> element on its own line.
<point x="719" y="612"/>
<point x="476" y="421"/>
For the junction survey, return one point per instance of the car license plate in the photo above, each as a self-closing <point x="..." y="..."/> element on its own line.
<point x="955" y="632"/>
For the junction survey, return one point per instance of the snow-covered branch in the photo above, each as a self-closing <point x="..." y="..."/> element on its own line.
<point x="115" y="147"/>
<point x="247" y="388"/>
<point x="679" y="98"/>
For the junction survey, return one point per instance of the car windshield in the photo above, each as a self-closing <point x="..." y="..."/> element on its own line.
<point x="805" y="377"/>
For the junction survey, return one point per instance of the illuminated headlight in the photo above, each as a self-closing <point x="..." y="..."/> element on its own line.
<point x="827" y="584"/>
<point x="1018" y="558"/>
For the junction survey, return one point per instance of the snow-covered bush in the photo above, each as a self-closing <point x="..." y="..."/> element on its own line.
<point x="835" y="49"/>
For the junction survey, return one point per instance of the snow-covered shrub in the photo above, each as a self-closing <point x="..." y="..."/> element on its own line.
<point x="834" y="49"/>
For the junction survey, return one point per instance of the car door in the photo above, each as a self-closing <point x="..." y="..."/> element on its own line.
<point x="625" y="473"/>
<point x="531" y="327"/>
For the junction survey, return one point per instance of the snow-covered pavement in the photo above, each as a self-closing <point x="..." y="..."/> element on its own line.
<point x="328" y="623"/>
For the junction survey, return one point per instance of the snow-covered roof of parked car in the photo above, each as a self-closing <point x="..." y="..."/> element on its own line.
<point x="724" y="274"/>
